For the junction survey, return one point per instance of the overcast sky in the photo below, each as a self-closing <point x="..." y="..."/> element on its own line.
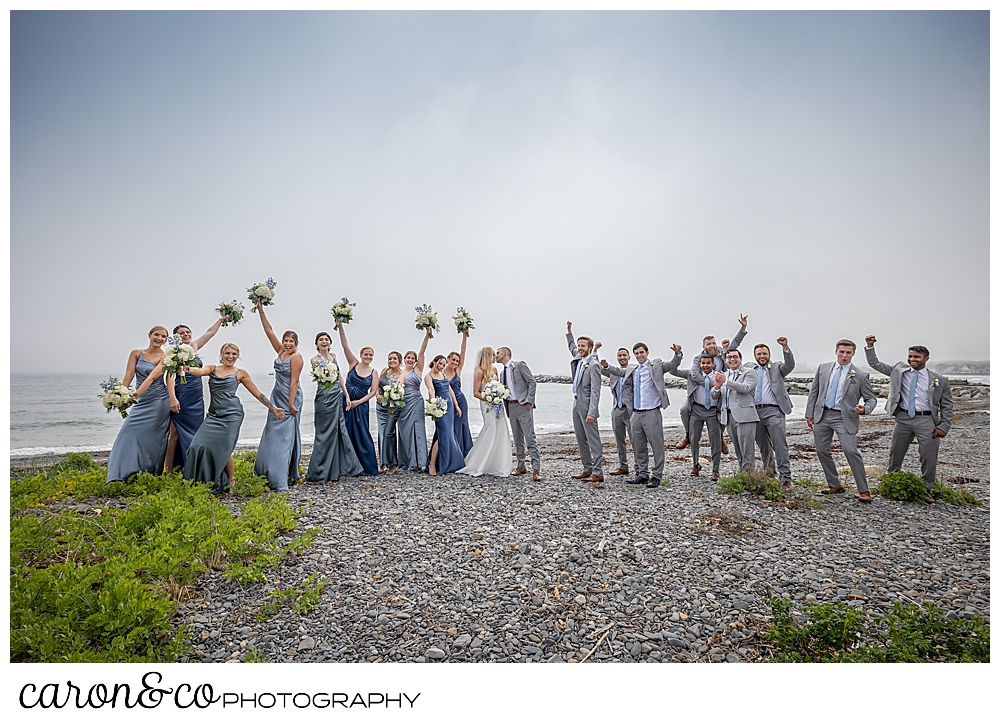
<point x="649" y="175"/>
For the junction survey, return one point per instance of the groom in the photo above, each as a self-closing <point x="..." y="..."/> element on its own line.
<point x="520" y="383"/>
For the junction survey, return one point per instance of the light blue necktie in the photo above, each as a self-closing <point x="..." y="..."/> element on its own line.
<point x="637" y="381"/>
<point x="831" y="394"/>
<point x="618" y="392"/>
<point x="911" y="405"/>
<point x="732" y="375"/>
<point x="708" y="393"/>
<point x="576" y="377"/>
<point x="759" y="397"/>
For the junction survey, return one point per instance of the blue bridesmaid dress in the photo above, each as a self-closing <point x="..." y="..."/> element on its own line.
<point x="333" y="454"/>
<point x="192" y="414"/>
<point x="357" y="423"/>
<point x="450" y="457"/>
<point x="387" y="439"/>
<point x="281" y="442"/>
<point x="141" y="445"/>
<point x="215" y="440"/>
<point x="412" y="434"/>
<point x="463" y="433"/>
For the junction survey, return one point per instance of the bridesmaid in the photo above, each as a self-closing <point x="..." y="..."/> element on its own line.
<point x="185" y="423"/>
<point x="361" y="386"/>
<point x="281" y="442"/>
<point x="387" y="440"/>
<point x="142" y="440"/>
<point x="210" y="454"/>
<point x="411" y="430"/>
<point x="332" y="453"/>
<point x="445" y="455"/>
<point x="453" y="373"/>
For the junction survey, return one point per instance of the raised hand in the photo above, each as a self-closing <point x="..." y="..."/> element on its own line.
<point x="597" y="345"/>
<point x="569" y="327"/>
<point x="675" y="348"/>
<point x="870" y="340"/>
<point x="783" y="342"/>
<point x="743" y="322"/>
<point x="725" y="344"/>
<point x="604" y="363"/>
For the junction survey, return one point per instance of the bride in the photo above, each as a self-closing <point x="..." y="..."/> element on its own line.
<point x="491" y="453"/>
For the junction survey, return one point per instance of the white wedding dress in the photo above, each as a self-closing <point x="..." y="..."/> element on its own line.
<point x="492" y="451"/>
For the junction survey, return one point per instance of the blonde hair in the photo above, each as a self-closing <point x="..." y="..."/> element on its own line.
<point x="361" y="353"/>
<point x="486" y="362"/>
<point x="158" y="328"/>
<point x="228" y="345"/>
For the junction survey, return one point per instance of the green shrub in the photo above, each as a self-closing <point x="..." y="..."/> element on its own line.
<point x="953" y="496"/>
<point x="302" y="599"/>
<point x="839" y="633"/>
<point x="757" y="482"/>
<point x="902" y="486"/>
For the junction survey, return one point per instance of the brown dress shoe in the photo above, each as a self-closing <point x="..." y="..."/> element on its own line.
<point x="786" y="486"/>
<point x="832" y="491"/>
<point x="725" y="447"/>
<point x="715" y="476"/>
<point x="865" y="497"/>
<point x="585" y="475"/>
<point x="683" y="443"/>
<point x="928" y="499"/>
<point x="537" y="476"/>
<point x="620" y="470"/>
<point x="595" y="478"/>
<point x="695" y="470"/>
<point x="518" y="471"/>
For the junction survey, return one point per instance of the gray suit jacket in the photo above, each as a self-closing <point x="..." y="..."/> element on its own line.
<point x="657" y="370"/>
<point x="776" y="375"/>
<point x="858" y="387"/>
<point x="588" y="391"/>
<point x="522" y="382"/>
<point x="939" y="391"/>
<point x="720" y="361"/>
<point x="630" y="367"/>
<point x="741" y="400"/>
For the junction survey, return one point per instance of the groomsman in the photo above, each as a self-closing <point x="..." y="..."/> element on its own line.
<point x="710" y="347"/>
<point x="587" y="397"/>
<point x="644" y="394"/>
<point x="621" y="416"/>
<point x="738" y="412"/>
<point x="920" y="400"/>
<point x="834" y="406"/>
<point x="520" y="405"/>
<point x="704" y="410"/>
<point x="773" y="405"/>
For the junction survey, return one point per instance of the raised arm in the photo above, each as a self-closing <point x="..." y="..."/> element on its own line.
<point x="461" y="353"/>
<point x="872" y="358"/>
<point x="788" y="360"/>
<point x="199" y="371"/>
<point x="293" y="387"/>
<point x="735" y="343"/>
<point x="243" y="378"/>
<point x="670" y="366"/>
<point x="570" y="341"/>
<point x="130" y="367"/>
<point x="419" y="366"/>
<point x="275" y="341"/>
<point x="207" y="336"/>
<point x="352" y="361"/>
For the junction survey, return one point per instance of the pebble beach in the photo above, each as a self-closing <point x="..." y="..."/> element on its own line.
<point x="458" y="569"/>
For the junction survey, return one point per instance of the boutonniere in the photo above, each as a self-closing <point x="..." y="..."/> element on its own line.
<point x="586" y="364"/>
<point x="936" y="382"/>
<point x="769" y="365"/>
<point x="850" y="374"/>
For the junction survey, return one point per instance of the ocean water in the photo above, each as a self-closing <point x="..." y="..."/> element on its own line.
<point x="51" y="414"/>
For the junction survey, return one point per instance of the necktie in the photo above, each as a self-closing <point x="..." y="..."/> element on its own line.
<point x="618" y="392"/>
<point x="505" y="376"/>
<point x="637" y="382"/>
<point x="576" y="377"/>
<point x="911" y="405"/>
<point x="708" y="392"/>
<point x="761" y="371"/>
<point x="831" y="394"/>
<point x="732" y="375"/>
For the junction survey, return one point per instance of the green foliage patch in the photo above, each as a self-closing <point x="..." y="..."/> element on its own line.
<point x="302" y="599"/>
<point x="953" y="496"/>
<point x="908" y="487"/>
<point x="757" y="482"/>
<point x="839" y="633"/>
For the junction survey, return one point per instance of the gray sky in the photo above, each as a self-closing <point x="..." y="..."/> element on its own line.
<point x="648" y="175"/>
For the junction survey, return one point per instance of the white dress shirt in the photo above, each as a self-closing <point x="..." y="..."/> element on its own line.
<point x="508" y="372"/>
<point x="649" y="396"/>
<point x="766" y="394"/>
<point x="920" y="402"/>
<point x="845" y="370"/>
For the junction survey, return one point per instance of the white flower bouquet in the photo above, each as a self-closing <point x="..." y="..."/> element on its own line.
<point x="116" y="396"/>
<point x="325" y="374"/>
<point x="426" y="319"/>
<point x="392" y="394"/>
<point x="262" y="292"/>
<point x="177" y="355"/>
<point x="233" y="309"/>
<point x="436" y="407"/>
<point x="343" y="312"/>
<point x="494" y="394"/>
<point x="463" y="321"/>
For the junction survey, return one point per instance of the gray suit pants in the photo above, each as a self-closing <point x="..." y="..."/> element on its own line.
<point x="823" y="437"/>
<point x="647" y="429"/>
<point x="699" y="418"/>
<point x="522" y="428"/>
<point x="621" y="422"/>
<point x="743" y="434"/>
<point x="921" y="427"/>
<point x="588" y="439"/>
<point x="686" y="417"/>
<point x="773" y="442"/>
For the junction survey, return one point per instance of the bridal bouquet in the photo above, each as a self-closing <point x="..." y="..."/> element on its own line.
<point x="325" y="374"/>
<point x="177" y="355"/>
<point x="116" y="396"/>
<point x="494" y="394"/>
<point x="343" y="312"/>
<point x="426" y="319"/>
<point x="436" y="407"/>
<point x="392" y="394"/>
<point x="463" y="322"/>
<point x="263" y="292"/>
<point x="233" y="310"/>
